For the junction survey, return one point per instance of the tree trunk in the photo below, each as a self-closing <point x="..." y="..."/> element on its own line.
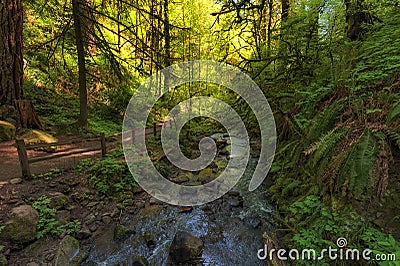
<point x="355" y="17"/>
<point x="285" y="9"/>
<point x="77" y="14"/>
<point x="27" y="115"/>
<point x="167" y="36"/>
<point x="11" y="59"/>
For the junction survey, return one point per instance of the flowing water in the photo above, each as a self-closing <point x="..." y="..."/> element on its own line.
<point x="231" y="229"/>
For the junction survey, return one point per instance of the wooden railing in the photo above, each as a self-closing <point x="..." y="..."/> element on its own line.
<point x="25" y="161"/>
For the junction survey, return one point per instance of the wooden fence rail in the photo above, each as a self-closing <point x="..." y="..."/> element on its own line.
<point x="25" y="161"/>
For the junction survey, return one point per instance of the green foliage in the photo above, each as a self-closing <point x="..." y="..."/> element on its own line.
<point x="1" y="246"/>
<point x="380" y="58"/>
<point x="109" y="175"/>
<point x="316" y="226"/>
<point x="47" y="222"/>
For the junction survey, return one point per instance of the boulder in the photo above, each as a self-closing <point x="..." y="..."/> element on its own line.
<point x="21" y="228"/>
<point x="185" y="247"/>
<point x="69" y="252"/>
<point x="7" y="131"/>
<point x="58" y="200"/>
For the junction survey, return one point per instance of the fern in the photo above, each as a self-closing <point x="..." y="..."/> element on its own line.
<point x="325" y="120"/>
<point x="393" y="114"/>
<point x="393" y="136"/>
<point x="325" y="144"/>
<point x="360" y="162"/>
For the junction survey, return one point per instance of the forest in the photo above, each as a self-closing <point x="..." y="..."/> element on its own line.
<point x="329" y="71"/>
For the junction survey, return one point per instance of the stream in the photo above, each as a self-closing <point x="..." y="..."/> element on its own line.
<point x="231" y="228"/>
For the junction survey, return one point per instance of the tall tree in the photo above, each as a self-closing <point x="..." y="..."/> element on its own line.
<point x="77" y="6"/>
<point x="11" y="60"/>
<point x="12" y="65"/>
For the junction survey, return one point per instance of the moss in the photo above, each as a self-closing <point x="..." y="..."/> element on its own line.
<point x="7" y="131"/>
<point x="37" y="136"/>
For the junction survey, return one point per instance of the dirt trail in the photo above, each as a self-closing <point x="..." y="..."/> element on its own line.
<point x="10" y="166"/>
<point x="9" y="162"/>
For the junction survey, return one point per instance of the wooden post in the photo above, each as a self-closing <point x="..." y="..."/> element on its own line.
<point x="133" y="136"/>
<point x="155" y="129"/>
<point x="103" y="145"/>
<point x="23" y="158"/>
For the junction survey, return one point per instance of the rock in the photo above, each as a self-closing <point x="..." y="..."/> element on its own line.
<point x="7" y="131"/>
<point x="32" y="264"/>
<point x="16" y="181"/>
<point x="21" y="228"/>
<point x="121" y="232"/>
<point x="221" y="163"/>
<point x="63" y="216"/>
<point x="140" y="261"/>
<point x="154" y="201"/>
<point x="84" y="233"/>
<point x="193" y="183"/>
<point x="149" y="239"/>
<point x="185" y="247"/>
<point x="128" y="202"/>
<point x="206" y="175"/>
<point x="92" y="204"/>
<point x="106" y="219"/>
<point x="182" y="178"/>
<point x="40" y="246"/>
<point x="90" y="218"/>
<point x="137" y="189"/>
<point x="58" y="200"/>
<point x="253" y="222"/>
<point x="69" y="252"/>
<point x="233" y="202"/>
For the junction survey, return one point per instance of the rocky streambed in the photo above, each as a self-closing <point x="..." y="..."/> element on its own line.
<point x="229" y="229"/>
<point x="142" y="230"/>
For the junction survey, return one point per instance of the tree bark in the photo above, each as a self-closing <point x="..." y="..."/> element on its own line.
<point x="285" y="9"/>
<point x="355" y="17"/>
<point x="167" y="36"/>
<point x="79" y="39"/>
<point x="11" y="59"/>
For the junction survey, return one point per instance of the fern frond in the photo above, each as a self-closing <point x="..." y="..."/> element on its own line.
<point x="325" y="144"/>
<point x="393" y="114"/>
<point x="325" y="120"/>
<point x="393" y="136"/>
<point x="360" y="162"/>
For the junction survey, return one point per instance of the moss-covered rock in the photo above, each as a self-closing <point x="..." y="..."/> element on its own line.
<point x="21" y="228"/>
<point x="58" y="200"/>
<point x="7" y="131"/>
<point x="122" y="232"/>
<point x="37" y="136"/>
<point x="184" y="177"/>
<point x="69" y="252"/>
<point x="206" y="175"/>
